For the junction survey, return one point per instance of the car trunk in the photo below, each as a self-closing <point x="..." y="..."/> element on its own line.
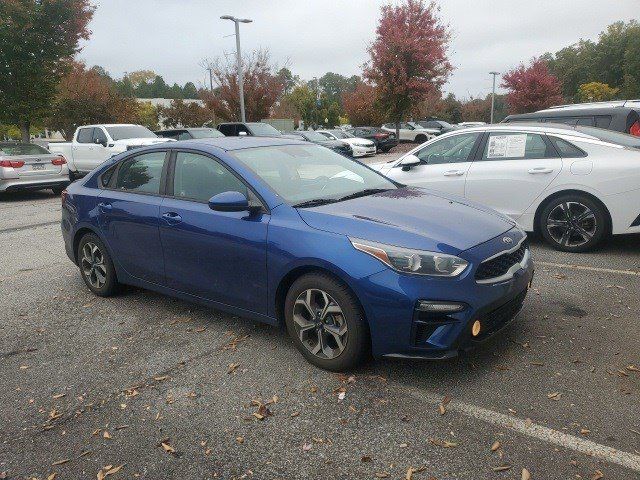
<point x="33" y="165"/>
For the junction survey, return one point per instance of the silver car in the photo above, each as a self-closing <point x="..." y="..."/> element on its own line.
<point x="27" y="166"/>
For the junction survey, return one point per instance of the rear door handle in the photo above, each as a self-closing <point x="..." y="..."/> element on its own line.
<point x="172" y="218"/>
<point x="454" y="173"/>
<point x="536" y="170"/>
<point x="105" y="207"/>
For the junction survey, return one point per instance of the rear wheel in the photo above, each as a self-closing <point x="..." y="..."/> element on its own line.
<point x="326" y="323"/>
<point x="96" y="266"/>
<point x="574" y="223"/>
<point x="420" y="138"/>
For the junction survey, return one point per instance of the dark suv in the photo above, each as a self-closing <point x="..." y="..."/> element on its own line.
<point x="617" y="118"/>
<point x="252" y="129"/>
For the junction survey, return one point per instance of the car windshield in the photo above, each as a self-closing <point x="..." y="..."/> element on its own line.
<point x="315" y="137"/>
<point x="340" y="134"/>
<point x="205" y="133"/>
<point x="22" y="149"/>
<point x="310" y="173"/>
<point x="130" y="131"/>
<point x="611" y="136"/>
<point x="263" y="130"/>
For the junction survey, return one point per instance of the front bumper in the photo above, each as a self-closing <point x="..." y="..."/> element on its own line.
<point x="364" y="151"/>
<point x="399" y="330"/>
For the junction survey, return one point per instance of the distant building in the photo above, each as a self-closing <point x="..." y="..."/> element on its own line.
<point x="166" y="102"/>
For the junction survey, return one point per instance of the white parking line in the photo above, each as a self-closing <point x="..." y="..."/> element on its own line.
<point x="533" y="430"/>
<point x="588" y="269"/>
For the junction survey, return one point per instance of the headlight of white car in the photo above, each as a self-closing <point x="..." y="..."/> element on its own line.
<point x="407" y="260"/>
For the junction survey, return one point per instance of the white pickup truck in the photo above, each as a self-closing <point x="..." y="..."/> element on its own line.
<point x="93" y="144"/>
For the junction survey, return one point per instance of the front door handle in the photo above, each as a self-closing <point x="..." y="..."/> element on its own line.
<point x="105" y="207"/>
<point x="454" y="173"/>
<point x="172" y="218"/>
<point x="534" y="171"/>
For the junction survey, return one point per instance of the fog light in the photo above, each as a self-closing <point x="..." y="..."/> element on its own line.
<point x="475" y="328"/>
<point x="440" y="307"/>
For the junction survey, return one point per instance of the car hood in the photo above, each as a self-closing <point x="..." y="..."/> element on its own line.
<point x="411" y="217"/>
<point x="142" y="141"/>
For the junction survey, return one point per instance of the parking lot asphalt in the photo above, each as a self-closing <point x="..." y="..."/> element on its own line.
<point x="159" y="388"/>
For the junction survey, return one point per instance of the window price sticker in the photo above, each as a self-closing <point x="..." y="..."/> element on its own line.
<point x="507" y="146"/>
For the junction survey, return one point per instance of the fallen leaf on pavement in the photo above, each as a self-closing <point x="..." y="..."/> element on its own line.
<point x="60" y="395"/>
<point x="60" y="462"/>
<point x="585" y="431"/>
<point x="232" y="367"/>
<point x="411" y="471"/>
<point x="495" y="446"/>
<point x="597" y="475"/>
<point x="306" y="447"/>
<point x="525" y="474"/>
<point x="106" y="435"/>
<point x="554" y="396"/>
<point x="365" y="459"/>
<point x="168" y="448"/>
<point x="50" y="477"/>
<point x="382" y="474"/>
<point x="443" y="443"/>
<point x="160" y="378"/>
<point x="240" y="440"/>
<point x="501" y="468"/>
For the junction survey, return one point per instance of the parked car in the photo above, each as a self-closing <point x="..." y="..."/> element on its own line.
<point x="471" y="124"/>
<point x="251" y="129"/>
<point x="189" y="133"/>
<point x="27" y="166"/>
<point x="411" y="132"/>
<point x="440" y="125"/>
<point x="290" y="233"/>
<point x="341" y="147"/>
<point x="610" y="136"/>
<point x="620" y="119"/>
<point x="384" y="140"/>
<point x="93" y="144"/>
<point x="571" y="186"/>
<point x="361" y="146"/>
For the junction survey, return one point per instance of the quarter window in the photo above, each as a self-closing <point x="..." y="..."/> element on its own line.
<point x="566" y="149"/>
<point x="449" y="150"/>
<point x="199" y="178"/>
<point x="142" y="173"/>
<point x="514" y="146"/>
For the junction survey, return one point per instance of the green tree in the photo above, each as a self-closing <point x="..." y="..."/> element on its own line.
<point x="189" y="90"/>
<point x="38" y="39"/>
<point x="596" y="92"/>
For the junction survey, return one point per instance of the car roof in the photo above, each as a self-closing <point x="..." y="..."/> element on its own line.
<point x="533" y="127"/>
<point x="573" y="112"/>
<point x="238" y="143"/>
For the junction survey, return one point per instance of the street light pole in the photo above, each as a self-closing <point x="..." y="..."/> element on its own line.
<point x="237" y="22"/>
<point x="493" y="93"/>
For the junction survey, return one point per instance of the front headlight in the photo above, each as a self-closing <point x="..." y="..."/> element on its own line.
<point x="407" y="260"/>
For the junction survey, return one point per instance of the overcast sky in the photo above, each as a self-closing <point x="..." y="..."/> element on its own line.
<point x="311" y="38"/>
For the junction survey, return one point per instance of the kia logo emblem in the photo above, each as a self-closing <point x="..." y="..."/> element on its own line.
<point x="507" y="240"/>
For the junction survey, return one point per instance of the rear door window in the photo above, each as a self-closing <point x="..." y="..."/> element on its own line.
<point x="603" y="121"/>
<point x="514" y="146"/>
<point x="142" y="173"/>
<point x="85" y="135"/>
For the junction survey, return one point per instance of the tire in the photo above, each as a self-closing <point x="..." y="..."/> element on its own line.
<point x="582" y="229"/>
<point x="344" y="321"/>
<point x="102" y="263"/>
<point x="385" y="150"/>
<point x="420" y="138"/>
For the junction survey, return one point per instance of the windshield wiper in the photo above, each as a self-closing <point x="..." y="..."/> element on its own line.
<point x="363" y="193"/>
<point x="314" y="202"/>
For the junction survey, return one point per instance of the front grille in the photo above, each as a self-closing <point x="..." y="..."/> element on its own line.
<point x="500" y="265"/>
<point x="496" y="319"/>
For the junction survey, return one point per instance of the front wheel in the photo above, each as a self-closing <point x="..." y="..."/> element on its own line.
<point x="574" y="223"/>
<point x="326" y="322"/>
<point x="420" y="138"/>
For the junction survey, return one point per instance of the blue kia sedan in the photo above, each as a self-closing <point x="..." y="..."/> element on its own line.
<point x="293" y="234"/>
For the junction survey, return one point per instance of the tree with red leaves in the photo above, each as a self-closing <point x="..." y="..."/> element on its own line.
<point x="262" y="88"/>
<point x="84" y="97"/>
<point x="361" y="105"/>
<point x="38" y="40"/>
<point x="408" y="57"/>
<point x="532" y="88"/>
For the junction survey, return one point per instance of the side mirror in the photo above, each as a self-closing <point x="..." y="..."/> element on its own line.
<point x="409" y="161"/>
<point x="97" y="141"/>
<point x="242" y="134"/>
<point x="229" y="202"/>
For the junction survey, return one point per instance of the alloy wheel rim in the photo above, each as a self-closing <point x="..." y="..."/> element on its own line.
<point x="92" y="264"/>
<point x="320" y="323"/>
<point x="571" y="224"/>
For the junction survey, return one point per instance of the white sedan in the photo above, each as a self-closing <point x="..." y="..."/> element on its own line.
<point x="411" y="132"/>
<point x="575" y="188"/>
<point x="361" y="146"/>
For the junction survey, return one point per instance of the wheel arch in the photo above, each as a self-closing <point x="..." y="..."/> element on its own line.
<point x="553" y="196"/>
<point x="287" y="280"/>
